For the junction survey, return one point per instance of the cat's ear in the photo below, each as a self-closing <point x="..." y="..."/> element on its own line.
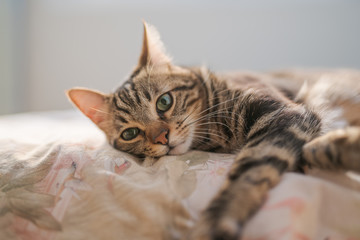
<point x="92" y="103"/>
<point x="153" y="50"/>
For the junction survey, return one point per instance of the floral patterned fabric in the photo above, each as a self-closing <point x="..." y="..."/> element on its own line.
<point x="60" y="180"/>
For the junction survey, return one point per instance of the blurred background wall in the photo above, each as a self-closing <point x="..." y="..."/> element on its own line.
<point x="48" y="46"/>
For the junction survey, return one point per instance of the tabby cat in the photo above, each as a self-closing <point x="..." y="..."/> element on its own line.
<point x="274" y="122"/>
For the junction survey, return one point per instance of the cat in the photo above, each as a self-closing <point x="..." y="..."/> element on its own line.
<point x="274" y="123"/>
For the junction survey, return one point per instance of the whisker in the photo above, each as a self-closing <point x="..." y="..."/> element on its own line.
<point x="203" y="140"/>
<point x="219" y="104"/>
<point x="214" y="114"/>
<point x="222" y="124"/>
<point x="209" y="107"/>
<point x="199" y="138"/>
<point x="218" y="92"/>
<point x="213" y="134"/>
<point x="223" y="109"/>
<point x="188" y="115"/>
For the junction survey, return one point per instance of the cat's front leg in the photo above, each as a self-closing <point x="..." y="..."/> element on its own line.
<point x="274" y="146"/>
<point x="242" y="195"/>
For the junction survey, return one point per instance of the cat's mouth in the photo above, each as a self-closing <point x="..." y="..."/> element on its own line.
<point x="173" y="150"/>
<point x="180" y="148"/>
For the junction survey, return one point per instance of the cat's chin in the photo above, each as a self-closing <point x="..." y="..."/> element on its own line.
<point x="177" y="150"/>
<point x="180" y="149"/>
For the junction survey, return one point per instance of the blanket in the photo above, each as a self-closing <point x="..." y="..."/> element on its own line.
<point x="60" y="180"/>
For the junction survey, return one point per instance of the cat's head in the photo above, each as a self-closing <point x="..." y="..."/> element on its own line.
<point x="153" y="113"/>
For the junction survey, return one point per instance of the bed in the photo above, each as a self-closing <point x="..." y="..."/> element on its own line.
<point x="60" y="180"/>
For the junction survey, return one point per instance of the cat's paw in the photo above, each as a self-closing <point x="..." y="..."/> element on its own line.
<point x="336" y="149"/>
<point x="223" y="228"/>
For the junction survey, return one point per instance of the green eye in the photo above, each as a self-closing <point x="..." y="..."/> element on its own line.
<point x="164" y="102"/>
<point x="130" y="133"/>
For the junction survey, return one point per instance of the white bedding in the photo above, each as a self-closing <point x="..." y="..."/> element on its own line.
<point x="59" y="180"/>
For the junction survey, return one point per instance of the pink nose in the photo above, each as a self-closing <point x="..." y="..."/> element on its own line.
<point x="162" y="138"/>
<point x="157" y="133"/>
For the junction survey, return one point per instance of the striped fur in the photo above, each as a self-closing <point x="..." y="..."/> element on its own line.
<point x="267" y="120"/>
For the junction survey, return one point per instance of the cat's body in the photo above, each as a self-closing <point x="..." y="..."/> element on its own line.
<point x="269" y="120"/>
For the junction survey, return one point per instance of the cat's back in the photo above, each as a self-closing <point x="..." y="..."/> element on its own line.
<point x="337" y="90"/>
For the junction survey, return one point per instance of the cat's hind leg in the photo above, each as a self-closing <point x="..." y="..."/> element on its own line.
<point x="339" y="149"/>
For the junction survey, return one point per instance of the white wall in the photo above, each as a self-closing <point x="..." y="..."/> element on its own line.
<point x="12" y="55"/>
<point x="5" y="60"/>
<point x="95" y="43"/>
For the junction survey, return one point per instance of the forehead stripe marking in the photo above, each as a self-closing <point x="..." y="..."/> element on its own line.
<point x="118" y="107"/>
<point x="137" y="97"/>
<point x="123" y="100"/>
<point x="129" y="100"/>
<point x="121" y="119"/>
<point x="147" y="95"/>
<point x="129" y="95"/>
<point x="123" y="110"/>
<point x="115" y="102"/>
<point x="184" y="87"/>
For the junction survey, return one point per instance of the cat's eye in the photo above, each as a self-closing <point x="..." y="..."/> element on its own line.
<point x="130" y="133"/>
<point x="164" y="102"/>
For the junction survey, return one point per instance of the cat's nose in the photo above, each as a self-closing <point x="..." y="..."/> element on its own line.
<point x="158" y="133"/>
<point x="162" y="137"/>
